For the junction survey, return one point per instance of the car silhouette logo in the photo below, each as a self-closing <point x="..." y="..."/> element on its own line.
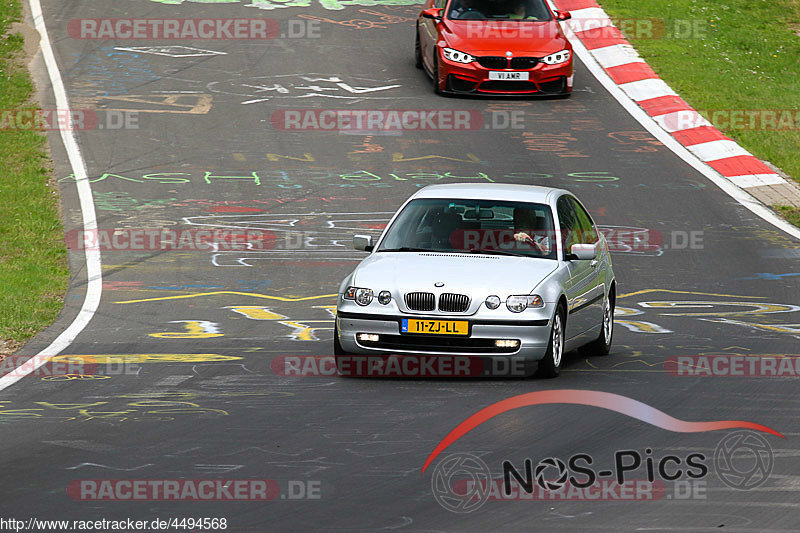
<point x="438" y="284"/>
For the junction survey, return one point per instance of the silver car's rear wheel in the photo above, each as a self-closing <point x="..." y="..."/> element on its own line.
<point x="550" y="365"/>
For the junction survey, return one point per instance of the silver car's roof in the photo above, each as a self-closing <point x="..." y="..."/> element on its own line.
<point x="489" y="191"/>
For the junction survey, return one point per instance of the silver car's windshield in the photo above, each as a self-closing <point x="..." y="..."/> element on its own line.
<point x="531" y="10"/>
<point x="473" y="226"/>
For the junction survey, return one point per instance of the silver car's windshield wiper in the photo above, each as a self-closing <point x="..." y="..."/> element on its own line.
<point x="407" y="249"/>
<point x="496" y="252"/>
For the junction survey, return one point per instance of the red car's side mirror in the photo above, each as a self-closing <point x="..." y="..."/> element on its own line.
<point x="434" y="13"/>
<point x="563" y="15"/>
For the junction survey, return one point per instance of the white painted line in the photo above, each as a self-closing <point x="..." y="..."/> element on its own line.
<point x="616" y="55"/>
<point x="714" y="150"/>
<point x="94" y="271"/>
<point x="757" y="180"/>
<point x="681" y="120"/>
<point x="738" y="194"/>
<point x="644" y="89"/>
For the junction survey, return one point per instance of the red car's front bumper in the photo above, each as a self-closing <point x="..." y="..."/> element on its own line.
<point x="473" y="78"/>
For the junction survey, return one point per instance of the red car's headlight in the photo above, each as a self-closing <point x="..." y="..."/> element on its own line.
<point x="457" y="56"/>
<point x="557" y="58"/>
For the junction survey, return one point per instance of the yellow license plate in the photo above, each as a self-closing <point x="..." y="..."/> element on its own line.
<point x="435" y="327"/>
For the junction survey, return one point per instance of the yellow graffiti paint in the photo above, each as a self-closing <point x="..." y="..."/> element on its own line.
<point x="640" y="326"/>
<point x="754" y="308"/>
<point x="68" y="406"/>
<point x="277" y="157"/>
<point x="74" y="377"/>
<point x="235" y="293"/>
<point x="398" y="157"/>
<point x="304" y="332"/>
<point x="194" y="329"/>
<point x="173" y="103"/>
<point x="146" y="358"/>
<point x="783" y="328"/>
<point x="331" y="309"/>
<point x="256" y="312"/>
<point x="649" y="291"/>
<point x="626" y="311"/>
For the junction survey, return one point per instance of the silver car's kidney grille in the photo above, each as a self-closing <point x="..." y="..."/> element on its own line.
<point x="453" y="303"/>
<point x="420" y="301"/>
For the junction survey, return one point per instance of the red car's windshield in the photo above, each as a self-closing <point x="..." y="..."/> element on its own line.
<point x="531" y="10"/>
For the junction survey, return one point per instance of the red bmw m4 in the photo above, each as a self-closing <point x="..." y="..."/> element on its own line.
<point x="494" y="47"/>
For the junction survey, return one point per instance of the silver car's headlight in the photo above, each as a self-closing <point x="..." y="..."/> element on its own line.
<point x="518" y="303"/>
<point x="384" y="297"/>
<point x="457" y="55"/>
<point x="493" y="302"/>
<point x="360" y="295"/>
<point x="557" y="58"/>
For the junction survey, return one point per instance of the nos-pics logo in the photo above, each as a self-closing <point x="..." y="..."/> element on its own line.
<point x="462" y="482"/>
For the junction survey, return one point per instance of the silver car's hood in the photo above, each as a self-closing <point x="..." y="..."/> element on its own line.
<point x="471" y="274"/>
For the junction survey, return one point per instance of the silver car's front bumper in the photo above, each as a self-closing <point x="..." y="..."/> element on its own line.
<point x="534" y="336"/>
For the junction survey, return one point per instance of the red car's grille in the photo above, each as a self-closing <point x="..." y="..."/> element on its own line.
<point x="508" y="86"/>
<point x="493" y="62"/>
<point x="500" y="62"/>
<point x="523" y="63"/>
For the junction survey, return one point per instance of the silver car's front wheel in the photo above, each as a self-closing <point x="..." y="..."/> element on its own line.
<point x="550" y="365"/>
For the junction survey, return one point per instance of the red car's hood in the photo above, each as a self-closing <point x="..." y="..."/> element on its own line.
<point x="496" y="37"/>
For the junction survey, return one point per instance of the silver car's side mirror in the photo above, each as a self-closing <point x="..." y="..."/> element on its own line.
<point x="363" y="243"/>
<point x="583" y="252"/>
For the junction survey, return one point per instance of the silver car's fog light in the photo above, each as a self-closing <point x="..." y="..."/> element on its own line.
<point x="506" y="343"/>
<point x="363" y="296"/>
<point x="493" y="302"/>
<point x="384" y="297"/>
<point x="368" y="337"/>
<point x="518" y="303"/>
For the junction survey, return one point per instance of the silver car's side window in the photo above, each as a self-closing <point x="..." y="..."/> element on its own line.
<point x="588" y="234"/>
<point x="566" y="223"/>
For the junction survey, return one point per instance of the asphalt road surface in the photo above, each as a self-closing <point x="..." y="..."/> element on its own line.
<point x="200" y="395"/>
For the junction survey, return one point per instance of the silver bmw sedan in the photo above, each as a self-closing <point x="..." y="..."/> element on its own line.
<point x="489" y="270"/>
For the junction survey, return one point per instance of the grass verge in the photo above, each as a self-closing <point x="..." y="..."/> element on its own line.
<point x="724" y="57"/>
<point x="33" y="266"/>
<point x="792" y="214"/>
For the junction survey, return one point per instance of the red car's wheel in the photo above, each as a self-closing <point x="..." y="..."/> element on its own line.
<point x="417" y="51"/>
<point x="436" y="87"/>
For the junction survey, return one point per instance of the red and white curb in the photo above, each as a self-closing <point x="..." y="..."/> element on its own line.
<point x="620" y="61"/>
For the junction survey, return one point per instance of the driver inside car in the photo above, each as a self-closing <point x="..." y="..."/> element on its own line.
<point x="465" y="10"/>
<point x="531" y="230"/>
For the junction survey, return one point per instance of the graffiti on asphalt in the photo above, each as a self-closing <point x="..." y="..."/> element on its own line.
<point x="333" y="5"/>
<point x="303" y="86"/>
